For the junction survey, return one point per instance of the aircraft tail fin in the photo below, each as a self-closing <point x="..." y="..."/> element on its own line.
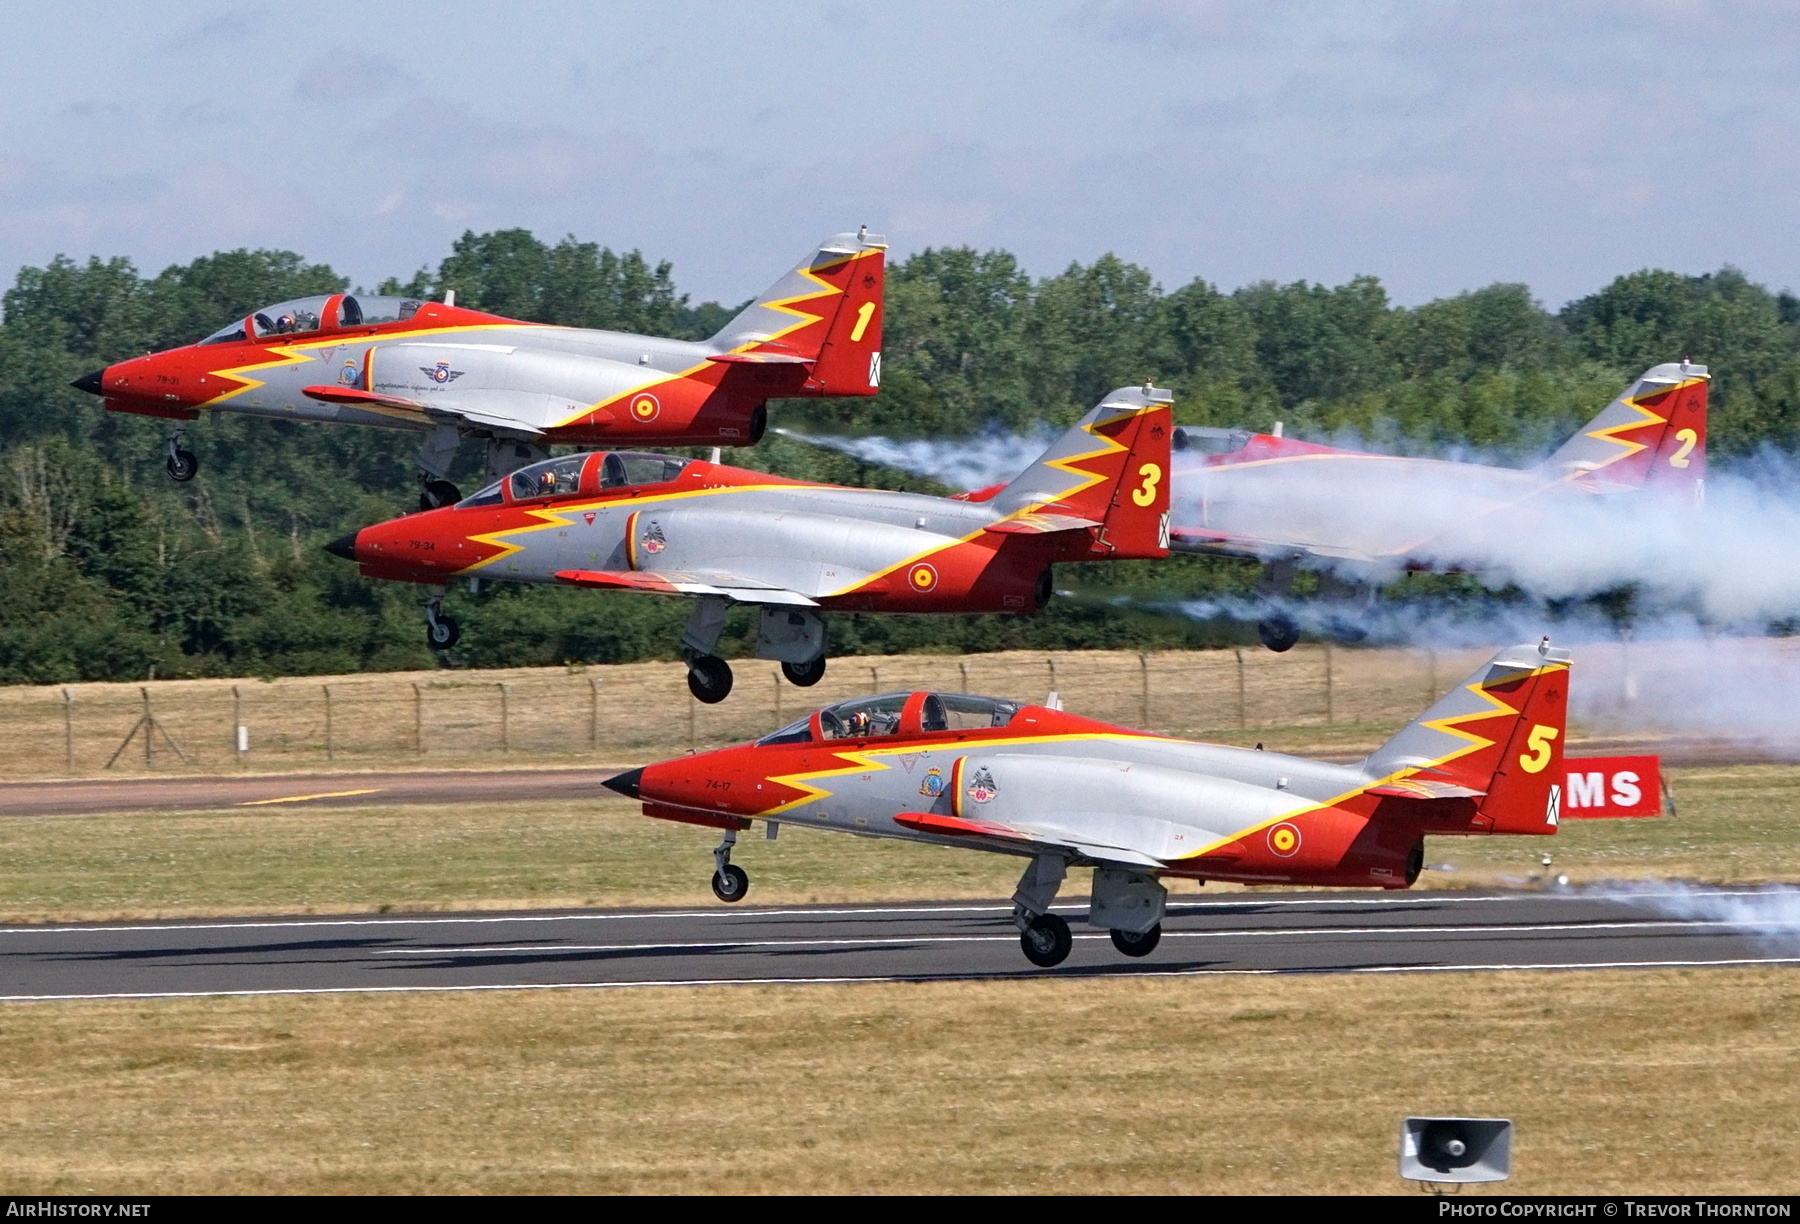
<point x="1653" y="434"/>
<point x="825" y="314"/>
<point x="1497" y="738"/>
<point x="1111" y="467"/>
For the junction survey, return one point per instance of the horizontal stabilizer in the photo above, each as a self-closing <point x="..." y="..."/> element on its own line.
<point x="743" y="590"/>
<point x="1424" y="788"/>
<point x="1040" y="524"/>
<point x="761" y="359"/>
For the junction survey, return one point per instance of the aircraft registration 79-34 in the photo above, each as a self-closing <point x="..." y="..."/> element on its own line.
<point x="448" y="372"/>
<point x="1063" y="791"/>
<point x="629" y="521"/>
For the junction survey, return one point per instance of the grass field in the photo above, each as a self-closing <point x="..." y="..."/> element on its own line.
<point x="1735" y="824"/>
<point x="1618" y="1083"/>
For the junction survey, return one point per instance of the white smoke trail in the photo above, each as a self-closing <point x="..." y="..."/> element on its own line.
<point x="967" y="463"/>
<point x="1771" y="911"/>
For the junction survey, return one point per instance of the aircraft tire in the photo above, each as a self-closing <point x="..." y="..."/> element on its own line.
<point x="183" y="466"/>
<point x="731" y="884"/>
<point x="442" y="633"/>
<point x="805" y="675"/>
<point x="1137" y="945"/>
<point x="1278" y="633"/>
<point x="437" y="494"/>
<point x="1046" y="941"/>
<point x="709" y="679"/>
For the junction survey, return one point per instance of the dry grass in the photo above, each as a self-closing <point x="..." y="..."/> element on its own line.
<point x="1665" y="1082"/>
<point x="1735" y="824"/>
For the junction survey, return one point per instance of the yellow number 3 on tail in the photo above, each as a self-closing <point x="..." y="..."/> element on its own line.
<point x="1539" y="743"/>
<point x="1145" y="493"/>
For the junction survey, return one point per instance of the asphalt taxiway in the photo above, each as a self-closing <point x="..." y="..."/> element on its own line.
<point x="1236" y="933"/>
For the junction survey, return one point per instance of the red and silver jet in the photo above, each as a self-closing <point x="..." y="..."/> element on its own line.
<point x="1062" y="791"/>
<point x="1289" y="503"/>
<point x="447" y="372"/>
<point x="628" y="521"/>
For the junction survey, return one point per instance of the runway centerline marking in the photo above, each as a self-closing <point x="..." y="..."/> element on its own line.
<point x="304" y="798"/>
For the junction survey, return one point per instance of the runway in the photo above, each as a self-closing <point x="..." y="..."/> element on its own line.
<point x="1234" y="934"/>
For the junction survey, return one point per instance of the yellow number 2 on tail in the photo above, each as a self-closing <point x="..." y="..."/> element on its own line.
<point x="1539" y="743"/>
<point x="1145" y="493"/>
<point x="1688" y="439"/>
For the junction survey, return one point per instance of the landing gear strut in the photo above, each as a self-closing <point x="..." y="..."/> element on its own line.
<point x="1276" y="629"/>
<point x="709" y="676"/>
<point x="436" y="456"/>
<point x="730" y="882"/>
<point x="1044" y="937"/>
<point x="441" y="632"/>
<point x="436" y="494"/>
<point x="181" y="463"/>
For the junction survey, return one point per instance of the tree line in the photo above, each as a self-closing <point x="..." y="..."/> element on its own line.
<point x="115" y="573"/>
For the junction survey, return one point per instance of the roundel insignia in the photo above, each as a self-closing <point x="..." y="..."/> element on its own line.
<point x="922" y="577"/>
<point x="1284" y="840"/>
<point x="644" y="407"/>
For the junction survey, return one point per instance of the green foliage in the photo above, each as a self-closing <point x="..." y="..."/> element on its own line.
<point x="112" y="572"/>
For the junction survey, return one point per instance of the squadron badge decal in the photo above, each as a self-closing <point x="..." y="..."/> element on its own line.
<point x="933" y="785"/>
<point x="441" y="372"/>
<point x="981" y="786"/>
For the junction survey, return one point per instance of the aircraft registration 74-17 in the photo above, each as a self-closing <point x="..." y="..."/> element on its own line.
<point x="1366" y="517"/>
<point x="628" y="521"/>
<point x="1062" y="791"/>
<point x="449" y="372"/>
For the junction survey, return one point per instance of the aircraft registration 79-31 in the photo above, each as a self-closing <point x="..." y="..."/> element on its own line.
<point x="629" y="521"/>
<point x="1063" y="791"/>
<point x="448" y="372"/>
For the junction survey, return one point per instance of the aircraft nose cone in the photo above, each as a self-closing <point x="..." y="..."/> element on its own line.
<point x="89" y="383"/>
<point x="344" y="546"/>
<point x="626" y="783"/>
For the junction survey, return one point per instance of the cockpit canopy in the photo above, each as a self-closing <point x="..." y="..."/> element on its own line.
<point x="1207" y="440"/>
<point x="574" y="475"/>
<point x="311" y="314"/>
<point x="889" y="713"/>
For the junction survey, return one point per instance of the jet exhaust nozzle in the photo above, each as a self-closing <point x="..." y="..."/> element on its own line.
<point x="344" y="546"/>
<point x="626" y="783"/>
<point x="89" y="383"/>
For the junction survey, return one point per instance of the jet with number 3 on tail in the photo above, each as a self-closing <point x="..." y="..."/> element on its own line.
<point x="1062" y="791"/>
<point x="627" y="521"/>
<point x="1364" y="518"/>
<point x="447" y="372"/>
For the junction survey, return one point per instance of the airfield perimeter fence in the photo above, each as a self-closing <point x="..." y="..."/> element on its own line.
<point x="1315" y="697"/>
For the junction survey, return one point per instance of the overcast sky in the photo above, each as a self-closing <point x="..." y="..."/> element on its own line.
<point x="1439" y="146"/>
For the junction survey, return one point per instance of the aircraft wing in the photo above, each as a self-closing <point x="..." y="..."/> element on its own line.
<point x="357" y="397"/>
<point x="1049" y="834"/>
<point x="674" y="582"/>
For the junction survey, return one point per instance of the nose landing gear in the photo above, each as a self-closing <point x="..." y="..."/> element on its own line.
<point x="181" y="463"/>
<point x="441" y="632"/>
<point x="730" y="882"/>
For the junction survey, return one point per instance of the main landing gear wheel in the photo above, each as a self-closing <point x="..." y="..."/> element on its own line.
<point x="1046" y="941"/>
<point x="709" y="678"/>
<point x="730" y="883"/>
<point x="805" y="674"/>
<point x="1278" y="633"/>
<point x="436" y="494"/>
<point x="1138" y="945"/>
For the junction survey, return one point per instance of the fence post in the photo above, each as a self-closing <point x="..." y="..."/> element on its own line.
<point x="1144" y="691"/>
<point x="418" y="719"/>
<point x="330" y="751"/>
<point x="1328" y="704"/>
<point x="693" y="706"/>
<point x="874" y="680"/>
<point x="775" y="675"/>
<point x="238" y="743"/>
<point x="505" y="727"/>
<point x="1243" y="710"/>
<point x="593" y="714"/>
<point x="964" y="668"/>
<point x="149" y="730"/>
<point x="69" y="730"/>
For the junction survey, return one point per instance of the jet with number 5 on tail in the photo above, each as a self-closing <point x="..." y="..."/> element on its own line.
<point x="447" y="372"/>
<point x="1364" y="518"/>
<point x="1062" y="791"/>
<point x="626" y="521"/>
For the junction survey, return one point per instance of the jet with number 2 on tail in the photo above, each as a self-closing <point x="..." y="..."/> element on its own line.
<point x="1366" y="517"/>
<point x="625" y="521"/>
<point x="1063" y="791"/>
<point x="448" y="372"/>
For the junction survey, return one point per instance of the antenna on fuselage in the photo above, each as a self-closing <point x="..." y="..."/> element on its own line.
<point x="449" y="297"/>
<point x="717" y="451"/>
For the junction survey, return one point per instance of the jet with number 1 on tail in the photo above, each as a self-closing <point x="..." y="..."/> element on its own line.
<point x="1062" y="791"/>
<point x="626" y="521"/>
<point x="447" y="372"/>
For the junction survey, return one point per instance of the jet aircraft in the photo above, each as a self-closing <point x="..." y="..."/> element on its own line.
<point x="630" y="521"/>
<point x="1289" y="503"/>
<point x="448" y="372"/>
<point x="1063" y="791"/>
